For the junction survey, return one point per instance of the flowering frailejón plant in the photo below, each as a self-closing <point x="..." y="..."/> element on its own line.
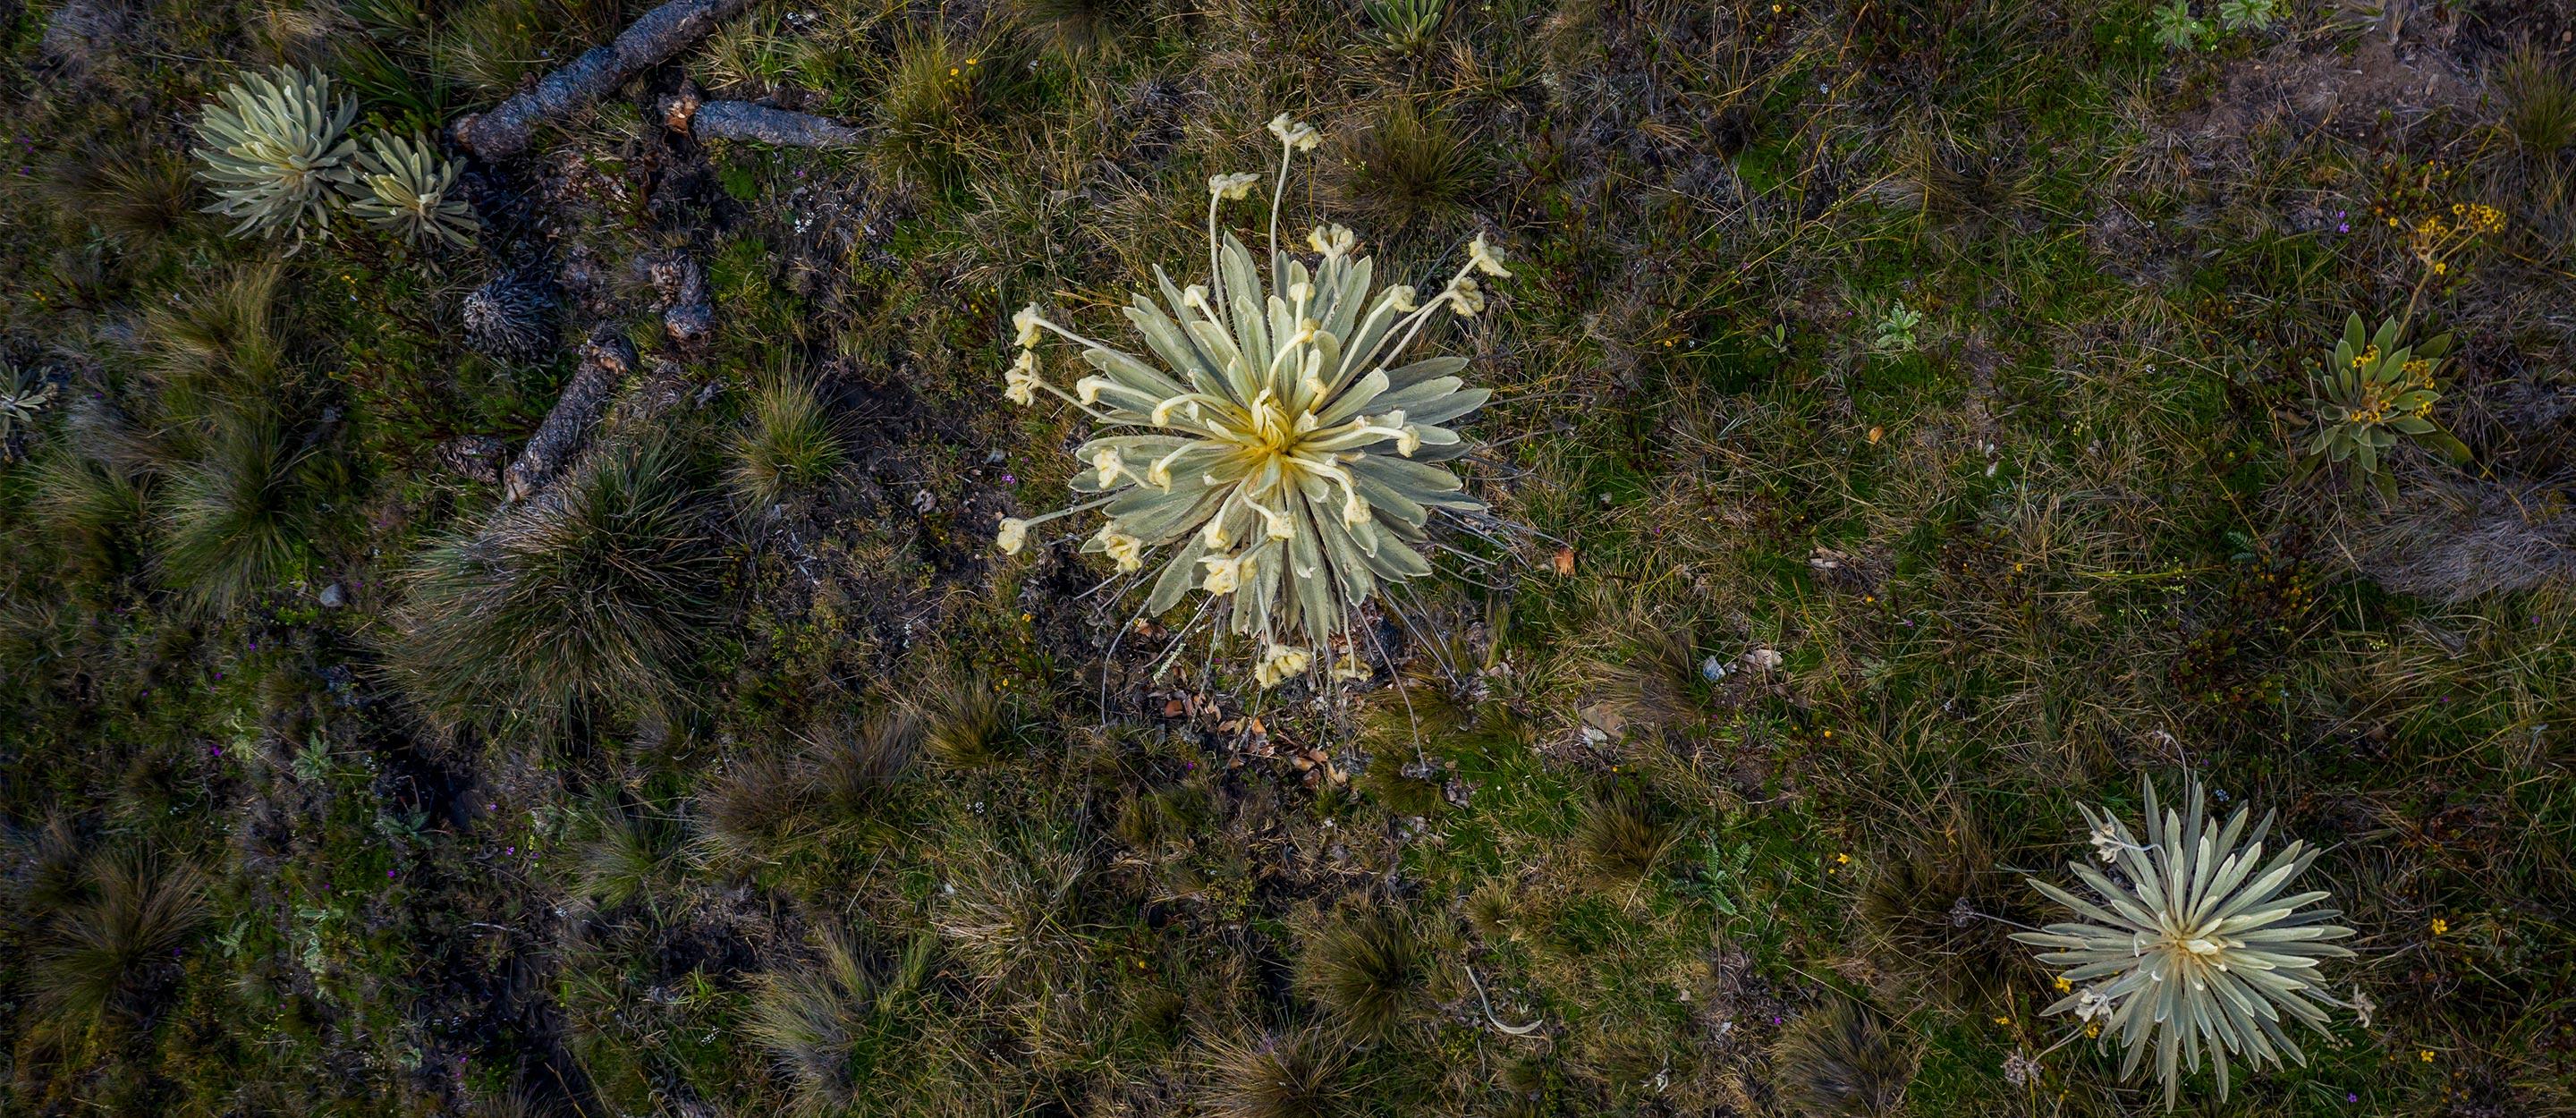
<point x="275" y="146"/>
<point x="2192" y="944"/>
<point x="1275" y="454"/>
<point x="2376" y="390"/>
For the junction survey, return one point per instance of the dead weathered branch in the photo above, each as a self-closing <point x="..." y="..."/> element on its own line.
<point x="687" y="313"/>
<point x="686" y="112"/>
<point x="605" y="360"/>
<point x="662" y="32"/>
<point x="742" y="120"/>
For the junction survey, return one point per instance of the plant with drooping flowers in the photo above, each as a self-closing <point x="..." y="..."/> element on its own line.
<point x="1277" y="452"/>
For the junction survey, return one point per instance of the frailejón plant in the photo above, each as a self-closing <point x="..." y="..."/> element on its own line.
<point x="2193" y="945"/>
<point x="404" y="187"/>
<point x="274" y="147"/>
<point x="1275" y="453"/>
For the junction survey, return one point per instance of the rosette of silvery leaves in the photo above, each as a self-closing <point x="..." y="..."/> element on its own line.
<point x="1272" y="447"/>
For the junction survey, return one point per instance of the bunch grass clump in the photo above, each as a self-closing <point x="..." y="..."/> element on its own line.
<point x="1278" y="454"/>
<point x="1622" y="835"/>
<point x="249" y="513"/>
<point x="1843" y="1059"/>
<point x="137" y="192"/>
<point x="275" y="148"/>
<point x="959" y="715"/>
<point x="108" y="954"/>
<point x="404" y="187"/>
<point x="1409" y="167"/>
<point x="2539" y="98"/>
<point x="590" y="597"/>
<point x="1298" y="1075"/>
<point x="2192" y="946"/>
<point x="829" y="1024"/>
<point x="1367" y="968"/>
<point x="789" y="444"/>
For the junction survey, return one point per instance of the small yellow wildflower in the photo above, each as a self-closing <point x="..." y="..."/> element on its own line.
<point x="2425" y="1055"/>
<point x="2063" y="985"/>
<point x="2441" y="926"/>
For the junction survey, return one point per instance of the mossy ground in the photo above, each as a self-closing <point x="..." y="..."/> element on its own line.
<point x="2047" y="543"/>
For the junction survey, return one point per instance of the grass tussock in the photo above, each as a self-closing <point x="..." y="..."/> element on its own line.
<point x="2539" y="101"/>
<point x="1014" y="909"/>
<point x="111" y="953"/>
<point x="1940" y="910"/>
<point x="789" y="443"/>
<point x="627" y="853"/>
<point x="760" y="804"/>
<point x="1843" y="1059"/>
<point x="1409" y="168"/>
<point x="588" y="598"/>
<point x="931" y="106"/>
<point x="1073" y="28"/>
<point x="1291" y="1075"/>
<point x="962" y="716"/>
<point x="1621" y="834"/>
<point x="1367" y="968"/>
<point x="138" y="193"/>
<point x="829" y="1024"/>
<point x="250" y="513"/>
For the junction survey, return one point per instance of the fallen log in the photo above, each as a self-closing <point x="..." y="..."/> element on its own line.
<point x="742" y="120"/>
<point x="605" y="360"/>
<point x="687" y="112"/>
<point x="661" y="33"/>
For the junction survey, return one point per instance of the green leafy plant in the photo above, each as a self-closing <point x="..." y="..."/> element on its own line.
<point x="1895" y="332"/>
<point x="1280" y="453"/>
<point x="2192" y="945"/>
<point x="403" y="186"/>
<point x="22" y="395"/>
<point x="2248" y="15"/>
<point x="1406" y="25"/>
<point x="274" y="148"/>
<point x="2375" y="391"/>
<point x="2177" y="29"/>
